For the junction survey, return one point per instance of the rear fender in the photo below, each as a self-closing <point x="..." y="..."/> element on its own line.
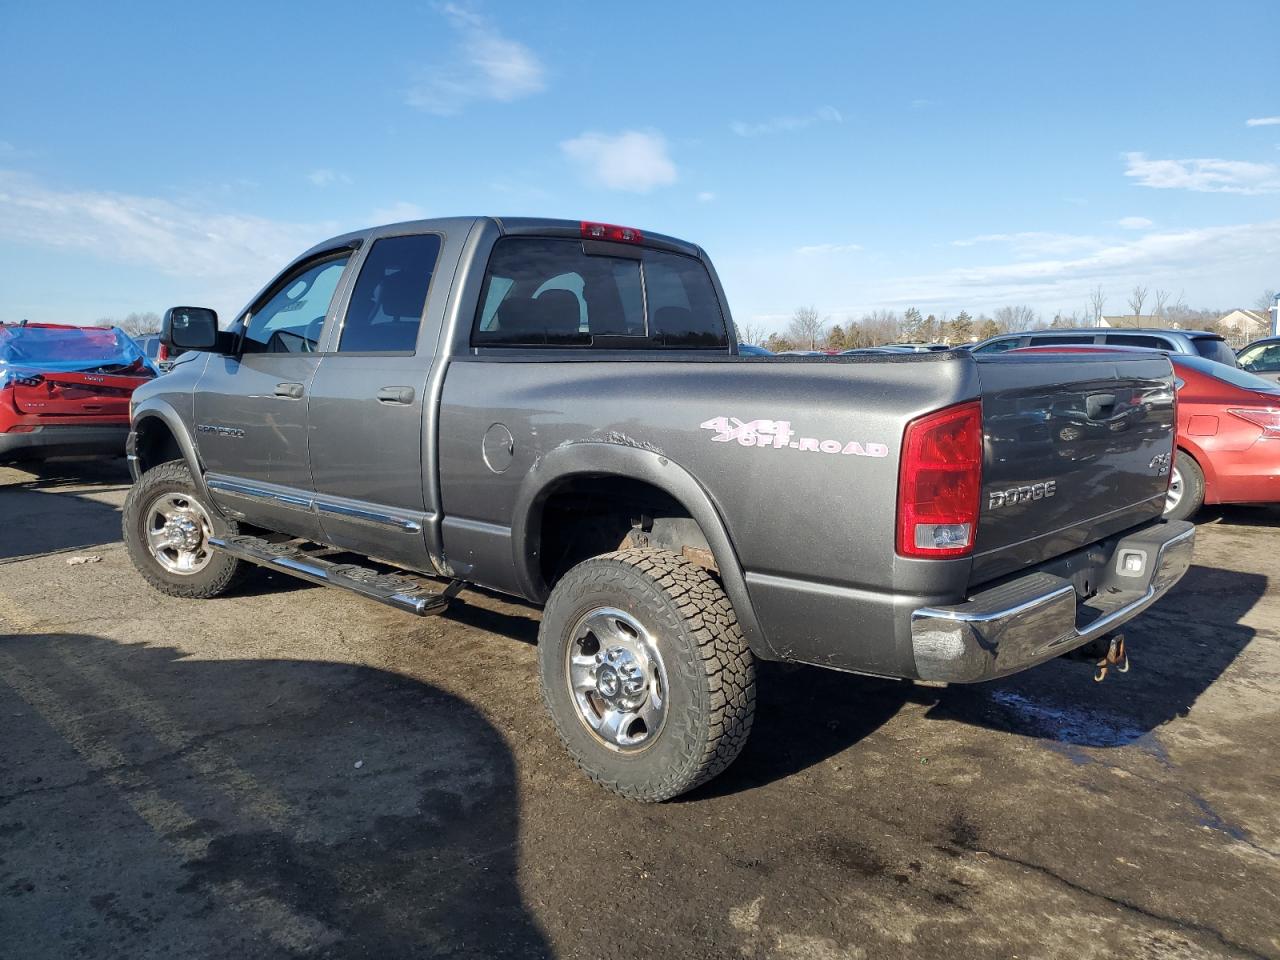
<point x="601" y="458"/>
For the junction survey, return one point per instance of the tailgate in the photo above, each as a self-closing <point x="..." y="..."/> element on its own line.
<point x="71" y="394"/>
<point x="1077" y="447"/>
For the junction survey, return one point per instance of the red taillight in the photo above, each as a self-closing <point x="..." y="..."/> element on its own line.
<point x="1268" y="418"/>
<point x="608" y="231"/>
<point x="162" y="354"/>
<point x="939" y="483"/>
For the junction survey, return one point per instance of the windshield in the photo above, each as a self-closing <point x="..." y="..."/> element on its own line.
<point x="1231" y="375"/>
<point x="1261" y="357"/>
<point x="65" y="349"/>
<point x="1214" y="348"/>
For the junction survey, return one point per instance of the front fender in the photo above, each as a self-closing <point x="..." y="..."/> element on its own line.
<point x="602" y="458"/>
<point x="159" y="409"/>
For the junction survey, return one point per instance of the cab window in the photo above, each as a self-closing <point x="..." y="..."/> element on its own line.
<point x="291" y="318"/>
<point x="1138" y="340"/>
<point x="998" y="346"/>
<point x="1264" y="358"/>
<point x="551" y="292"/>
<point x="389" y="295"/>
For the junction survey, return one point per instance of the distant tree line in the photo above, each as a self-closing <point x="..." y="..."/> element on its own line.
<point x="810" y="330"/>
<point x="134" y="324"/>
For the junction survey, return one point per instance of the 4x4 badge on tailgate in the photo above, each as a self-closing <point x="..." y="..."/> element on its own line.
<point x="778" y="435"/>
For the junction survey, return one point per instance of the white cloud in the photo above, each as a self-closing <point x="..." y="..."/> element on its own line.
<point x="786" y="124"/>
<point x="822" y="249"/>
<point x="633" y="160"/>
<point x="1206" y="254"/>
<point x="325" y="177"/>
<point x="485" y="66"/>
<point x="397" y="212"/>
<point x="1033" y="243"/>
<point x="1204" y="175"/>
<point x="1135" y="223"/>
<point x="230" y="253"/>
<point x="706" y="196"/>
<point x="1262" y="122"/>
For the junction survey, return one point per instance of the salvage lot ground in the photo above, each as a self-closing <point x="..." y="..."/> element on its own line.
<point x="293" y="771"/>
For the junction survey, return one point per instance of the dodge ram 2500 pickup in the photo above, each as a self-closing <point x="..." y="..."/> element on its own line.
<point x="558" y="410"/>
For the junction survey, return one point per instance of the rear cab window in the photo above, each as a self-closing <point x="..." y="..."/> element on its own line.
<point x="554" y="293"/>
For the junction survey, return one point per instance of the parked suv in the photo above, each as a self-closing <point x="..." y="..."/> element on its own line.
<point x="1195" y="343"/>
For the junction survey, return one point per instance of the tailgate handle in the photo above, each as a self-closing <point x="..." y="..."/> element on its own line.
<point x="292" y="391"/>
<point x="395" y="395"/>
<point x="1100" y="405"/>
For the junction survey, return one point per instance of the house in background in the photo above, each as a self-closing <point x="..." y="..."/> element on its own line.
<point x="1242" y="326"/>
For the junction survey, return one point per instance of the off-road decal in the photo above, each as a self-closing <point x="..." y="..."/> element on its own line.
<point x="778" y="435"/>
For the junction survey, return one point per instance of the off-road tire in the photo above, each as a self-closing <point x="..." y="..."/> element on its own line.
<point x="222" y="571"/>
<point x="1192" y="487"/>
<point x="711" y="672"/>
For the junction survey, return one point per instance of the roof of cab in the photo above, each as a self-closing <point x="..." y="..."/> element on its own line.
<point x="509" y="226"/>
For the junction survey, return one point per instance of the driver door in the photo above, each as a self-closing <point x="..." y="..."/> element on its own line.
<point x="251" y="410"/>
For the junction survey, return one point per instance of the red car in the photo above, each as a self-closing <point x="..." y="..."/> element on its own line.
<point x="65" y="390"/>
<point x="1228" y="433"/>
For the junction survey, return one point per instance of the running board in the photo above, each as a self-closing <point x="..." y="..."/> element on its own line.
<point x="394" y="589"/>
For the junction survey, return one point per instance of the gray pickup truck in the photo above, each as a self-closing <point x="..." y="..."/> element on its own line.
<point x="557" y="410"/>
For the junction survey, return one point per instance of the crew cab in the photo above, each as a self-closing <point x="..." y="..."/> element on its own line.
<point x="558" y="410"/>
<point x="64" y="390"/>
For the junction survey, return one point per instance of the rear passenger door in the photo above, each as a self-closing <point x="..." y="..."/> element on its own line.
<point x="366" y="407"/>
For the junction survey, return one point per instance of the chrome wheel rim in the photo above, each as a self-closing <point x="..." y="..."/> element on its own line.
<point x="1174" y="496"/>
<point x="617" y="678"/>
<point x="178" y="531"/>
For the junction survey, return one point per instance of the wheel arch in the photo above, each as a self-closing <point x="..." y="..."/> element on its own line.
<point x="1205" y="464"/>
<point x="157" y="435"/>
<point x="594" y="460"/>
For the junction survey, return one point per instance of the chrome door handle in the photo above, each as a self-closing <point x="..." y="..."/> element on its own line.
<point x="292" y="391"/>
<point x="395" y="395"/>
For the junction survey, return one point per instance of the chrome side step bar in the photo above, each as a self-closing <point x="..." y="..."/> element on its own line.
<point x="394" y="589"/>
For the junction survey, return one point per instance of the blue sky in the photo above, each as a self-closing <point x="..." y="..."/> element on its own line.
<point x="849" y="156"/>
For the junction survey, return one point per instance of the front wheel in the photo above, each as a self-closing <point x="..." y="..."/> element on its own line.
<point x="167" y="526"/>
<point x="1186" y="488"/>
<point x="645" y="672"/>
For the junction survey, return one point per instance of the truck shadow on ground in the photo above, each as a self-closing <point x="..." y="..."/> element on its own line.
<point x="260" y="808"/>
<point x="1178" y="648"/>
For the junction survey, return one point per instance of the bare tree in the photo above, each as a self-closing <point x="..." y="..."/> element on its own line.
<point x="1136" y="299"/>
<point x="805" y="328"/>
<point x="1265" y="300"/>
<point x="1015" y="318"/>
<point x="751" y="331"/>
<point x="1097" y="301"/>
<point x="140" y="324"/>
<point x="1162" y="297"/>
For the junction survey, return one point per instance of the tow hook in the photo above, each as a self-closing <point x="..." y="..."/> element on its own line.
<point x="1104" y="653"/>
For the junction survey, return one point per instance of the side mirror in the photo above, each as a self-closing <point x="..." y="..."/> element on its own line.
<point x="190" y="328"/>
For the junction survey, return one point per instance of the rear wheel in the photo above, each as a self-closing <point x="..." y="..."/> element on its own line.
<point x="167" y="525"/>
<point x="645" y="673"/>
<point x="1186" y="488"/>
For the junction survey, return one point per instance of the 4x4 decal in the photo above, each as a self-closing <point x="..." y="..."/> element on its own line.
<point x="778" y="435"/>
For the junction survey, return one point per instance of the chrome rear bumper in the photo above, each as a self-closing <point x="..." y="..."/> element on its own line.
<point x="1039" y="616"/>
